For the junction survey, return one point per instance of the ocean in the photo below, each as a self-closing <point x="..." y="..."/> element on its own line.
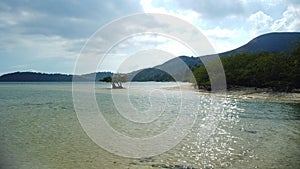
<point x="42" y="126"/>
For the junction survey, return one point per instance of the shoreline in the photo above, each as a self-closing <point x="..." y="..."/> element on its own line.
<point x="247" y="93"/>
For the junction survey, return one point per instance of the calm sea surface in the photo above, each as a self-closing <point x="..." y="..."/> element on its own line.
<point x="39" y="129"/>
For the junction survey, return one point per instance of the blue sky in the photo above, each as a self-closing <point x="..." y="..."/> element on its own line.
<point x="47" y="36"/>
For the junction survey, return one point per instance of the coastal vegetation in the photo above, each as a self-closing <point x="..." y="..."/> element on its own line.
<point x="152" y="74"/>
<point x="277" y="71"/>
<point x="116" y="80"/>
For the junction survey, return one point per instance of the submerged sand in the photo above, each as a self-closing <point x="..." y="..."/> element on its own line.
<point x="247" y="93"/>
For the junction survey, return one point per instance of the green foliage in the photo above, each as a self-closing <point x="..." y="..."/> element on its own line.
<point x="281" y="72"/>
<point x="117" y="80"/>
<point x="202" y="78"/>
<point x="152" y="74"/>
<point x="106" y="79"/>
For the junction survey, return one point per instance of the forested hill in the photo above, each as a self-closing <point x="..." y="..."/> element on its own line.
<point x="271" y="42"/>
<point x="268" y="45"/>
<point x="46" y="77"/>
<point x="168" y="71"/>
<point x="35" y="77"/>
<point x="277" y="71"/>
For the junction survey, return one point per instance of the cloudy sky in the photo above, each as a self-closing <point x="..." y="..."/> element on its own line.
<point x="48" y="35"/>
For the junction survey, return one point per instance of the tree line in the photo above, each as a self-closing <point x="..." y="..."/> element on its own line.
<point x="277" y="71"/>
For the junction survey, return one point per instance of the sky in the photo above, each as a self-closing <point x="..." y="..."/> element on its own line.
<point x="48" y="36"/>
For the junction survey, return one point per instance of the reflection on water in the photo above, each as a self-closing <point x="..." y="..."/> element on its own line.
<point x="39" y="129"/>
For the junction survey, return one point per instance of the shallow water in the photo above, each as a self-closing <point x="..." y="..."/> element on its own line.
<point x="39" y="129"/>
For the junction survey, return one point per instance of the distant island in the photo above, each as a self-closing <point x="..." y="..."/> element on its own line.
<point x="268" y="61"/>
<point x="47" y="77"/>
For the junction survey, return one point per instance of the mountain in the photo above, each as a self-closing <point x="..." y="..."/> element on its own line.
<point x="177" y="62"/>
<point x="174" y="69"/>
<point x="34" y="77"/>
<point x="269" y="70"/>
<point x="45" y="77"/>
<point x="271" y="42"/>
<point x="97" y="75"/>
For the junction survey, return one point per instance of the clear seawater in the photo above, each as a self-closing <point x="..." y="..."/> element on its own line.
<point x="39" y="129"/>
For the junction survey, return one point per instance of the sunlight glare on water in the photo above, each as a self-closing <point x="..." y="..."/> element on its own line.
<point x="39" y="129"/>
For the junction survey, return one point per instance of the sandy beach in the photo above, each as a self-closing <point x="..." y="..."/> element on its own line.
<point x="247" y="93"/>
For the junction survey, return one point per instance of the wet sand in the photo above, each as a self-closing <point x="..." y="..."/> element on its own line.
<point x="246" y="93"/>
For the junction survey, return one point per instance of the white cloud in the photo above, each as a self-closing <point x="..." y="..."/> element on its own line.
<point x="221" y="38"/>
<point x="221" y="33"/>
<point x="212" y="10"/>
<point x="144" y="59"/>
<point x="145" y="50"/>
<point x="290" y="20"/>
<point x="149" y="8"/>
<point x="188" y="15"/>
<point x="56" y="30"/>
<point x="261" y="22"/>
<point x="41" y="46"/>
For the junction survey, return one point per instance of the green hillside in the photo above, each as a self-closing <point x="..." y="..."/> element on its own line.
<point x="277" y="71"/>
